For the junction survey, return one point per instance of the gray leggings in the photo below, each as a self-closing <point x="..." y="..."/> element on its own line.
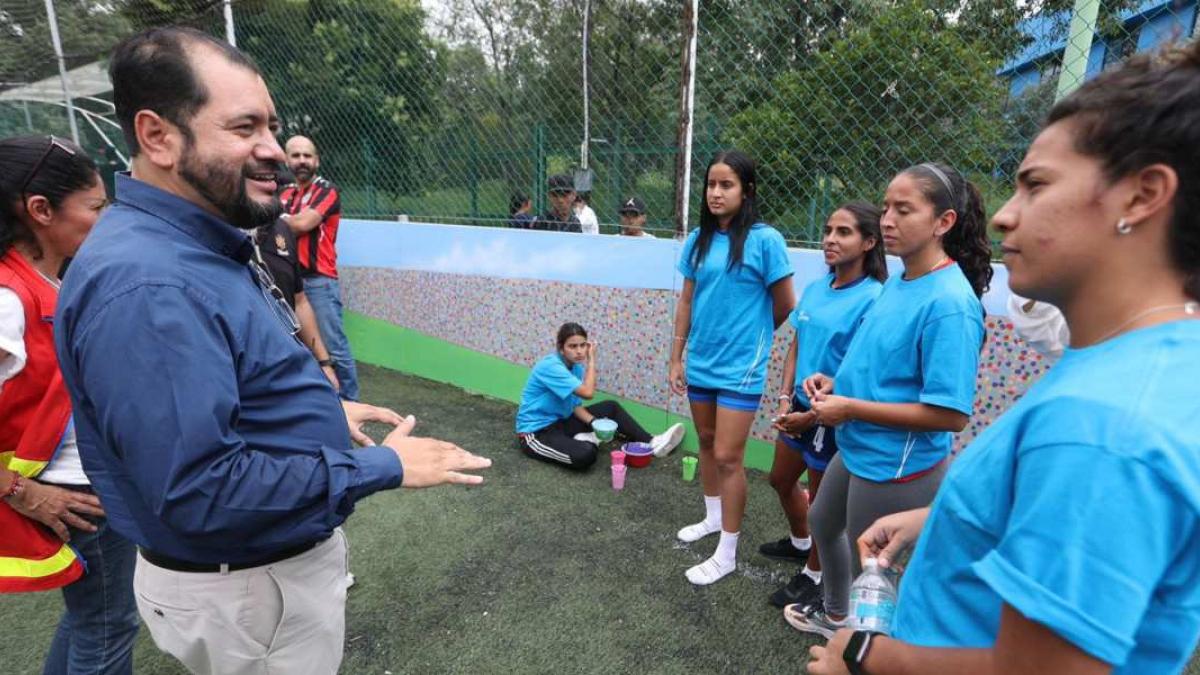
<point x="846" y="506"/>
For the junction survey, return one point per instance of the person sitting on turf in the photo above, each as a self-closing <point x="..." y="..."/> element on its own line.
<point x="553" y="425"/>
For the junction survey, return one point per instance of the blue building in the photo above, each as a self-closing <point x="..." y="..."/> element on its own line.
<point x="1146" y="26"/>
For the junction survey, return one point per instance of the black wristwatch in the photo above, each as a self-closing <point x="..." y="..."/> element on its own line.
<point x="856" y="651"/>
<point x="325" y="363"/>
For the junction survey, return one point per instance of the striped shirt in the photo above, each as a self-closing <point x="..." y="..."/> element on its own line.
<point x="317" y="248"/>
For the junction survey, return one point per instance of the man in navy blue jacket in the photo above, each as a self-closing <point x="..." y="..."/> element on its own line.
<point x="208" y="430"/>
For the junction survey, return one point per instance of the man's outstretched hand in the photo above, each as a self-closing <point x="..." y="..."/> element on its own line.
<point x="428" y="462"/>
<point x="358" y="414"/>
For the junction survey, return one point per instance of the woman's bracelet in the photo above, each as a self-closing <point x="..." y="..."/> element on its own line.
<point x="679" y="339"/>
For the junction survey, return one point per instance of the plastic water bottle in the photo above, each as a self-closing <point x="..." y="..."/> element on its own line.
<point x="872" y="600"/>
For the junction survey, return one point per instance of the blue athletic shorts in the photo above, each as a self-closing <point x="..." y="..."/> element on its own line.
<point x="730" y="400"/>
<point x="818" y="445"/>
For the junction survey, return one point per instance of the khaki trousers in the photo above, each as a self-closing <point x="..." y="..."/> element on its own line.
<point x="286" y="617"/>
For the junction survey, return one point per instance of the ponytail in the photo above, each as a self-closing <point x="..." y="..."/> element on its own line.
<point x="967" y="241"/>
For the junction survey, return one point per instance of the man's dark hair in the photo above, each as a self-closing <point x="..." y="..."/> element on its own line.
<point x="1145" y="112"/>
<point x="152" y="70"/>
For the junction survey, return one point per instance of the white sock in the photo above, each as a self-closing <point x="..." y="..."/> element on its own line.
<point x="719" y="565"/>
<point x="814" y="575"/>
<point x="802" y="543"/>
<point x="712" y="509"/>
<point x="710" y="525"/>
<point x="727" y="547"/>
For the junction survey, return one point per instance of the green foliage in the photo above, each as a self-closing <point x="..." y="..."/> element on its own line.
<point x="889" y="94"/>
<point x="357" y="76"/>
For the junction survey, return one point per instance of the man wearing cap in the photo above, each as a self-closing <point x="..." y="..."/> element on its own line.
<point x="561" y="216"/>
<point x="633" y="218"/>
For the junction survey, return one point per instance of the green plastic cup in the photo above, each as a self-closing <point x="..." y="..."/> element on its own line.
<point x="689" y="468"/>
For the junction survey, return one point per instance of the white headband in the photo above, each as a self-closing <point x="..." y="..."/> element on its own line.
<point x="945" y="181"/>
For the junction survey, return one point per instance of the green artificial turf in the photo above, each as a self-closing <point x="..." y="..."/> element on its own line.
<point x="537" y="571"/>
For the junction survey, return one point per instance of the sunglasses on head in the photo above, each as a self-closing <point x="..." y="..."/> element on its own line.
<point x="54" y="143"/>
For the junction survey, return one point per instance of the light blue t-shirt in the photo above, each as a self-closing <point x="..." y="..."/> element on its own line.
<point x="549" y="395"/>
<point x="920" y="342"/>
<point x="733" y="320"/>
<point x="825" y="320"/>
<point x="1079" y="508"/>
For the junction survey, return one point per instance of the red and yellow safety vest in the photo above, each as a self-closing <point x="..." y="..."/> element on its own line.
<point x="35" y="411"/>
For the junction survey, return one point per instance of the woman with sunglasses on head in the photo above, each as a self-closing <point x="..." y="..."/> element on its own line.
<point x="1066" y="537"/>
<point x="55" y="532"/>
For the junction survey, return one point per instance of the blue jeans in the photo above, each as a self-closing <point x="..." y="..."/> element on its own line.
<point x="100" y="624"/>
<point x="325" y="296"/>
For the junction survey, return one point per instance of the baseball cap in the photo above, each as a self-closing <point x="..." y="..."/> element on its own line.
<point x="632" y="205"/>
<point x="561" y="182"/>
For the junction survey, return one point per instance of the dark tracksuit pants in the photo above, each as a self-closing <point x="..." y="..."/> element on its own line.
<point x="556" y="443"/>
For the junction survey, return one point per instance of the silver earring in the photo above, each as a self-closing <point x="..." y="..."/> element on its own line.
<point x="1123" y="227"/>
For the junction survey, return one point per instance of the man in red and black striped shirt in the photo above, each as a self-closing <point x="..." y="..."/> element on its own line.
<point x="313" y="209"/>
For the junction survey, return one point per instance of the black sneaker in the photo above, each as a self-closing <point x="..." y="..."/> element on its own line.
<point x="801" y="590"/>
<point x="783" y="550"/>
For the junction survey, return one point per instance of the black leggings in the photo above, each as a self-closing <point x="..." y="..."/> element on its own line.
<point x="556" y="443"/>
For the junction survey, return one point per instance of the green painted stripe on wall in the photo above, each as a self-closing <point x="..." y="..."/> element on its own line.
<point x="381" y="343"/>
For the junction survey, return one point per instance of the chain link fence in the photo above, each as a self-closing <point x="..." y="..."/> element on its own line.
<point x="443" y="110"/>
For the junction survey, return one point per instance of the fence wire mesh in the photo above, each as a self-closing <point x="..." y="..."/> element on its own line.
<point x="442" y="110"/>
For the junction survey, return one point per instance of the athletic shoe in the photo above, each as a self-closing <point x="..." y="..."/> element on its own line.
<point x="801" y="590"/>
<point x="588" y="437"/>
<point x="667" y="441"/>
<point x="784" y="550"/>
<point x="812" y="619"/>
<point x="349" y="579"/>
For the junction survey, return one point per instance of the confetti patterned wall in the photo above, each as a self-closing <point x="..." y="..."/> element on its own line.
<point x="516" y="319"/>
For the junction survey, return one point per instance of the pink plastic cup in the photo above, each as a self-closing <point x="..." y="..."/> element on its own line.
<point x="618" y="457"/>
<point x="618" y="476"/>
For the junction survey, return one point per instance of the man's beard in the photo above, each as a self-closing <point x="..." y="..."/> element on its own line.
<point x="226" y="190"/>
<point x="303" y="173"/>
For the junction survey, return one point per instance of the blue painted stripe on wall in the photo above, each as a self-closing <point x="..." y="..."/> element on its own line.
<point x="597" y="260"/>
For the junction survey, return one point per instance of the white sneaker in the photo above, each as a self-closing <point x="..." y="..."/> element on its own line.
<point x="710" y="571"/>
<point x="349" y="579"/>
<point x="698" y="531"/>
<point x="588" y="436"/>
<point x="668" y="440"/>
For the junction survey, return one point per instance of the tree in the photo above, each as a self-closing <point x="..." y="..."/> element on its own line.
<point x="358" y="76"/>
<point x="889" y="94"/>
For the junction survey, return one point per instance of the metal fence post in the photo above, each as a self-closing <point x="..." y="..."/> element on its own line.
<point x="227" y="10"/>
<point x="1079" y="45"/>
<point x="62" y="69"/>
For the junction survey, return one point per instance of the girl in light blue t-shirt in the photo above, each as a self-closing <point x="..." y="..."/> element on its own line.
<point x="826" y="319"/>
<point x="737" y="290"/>
<point x="907" y="381"/>
<point x="1066" y="537"/>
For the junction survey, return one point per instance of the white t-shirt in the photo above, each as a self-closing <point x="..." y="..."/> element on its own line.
<point x="588" y="221"/>
<point x="66" y="468"/>
<point x="1043" y="327"/>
